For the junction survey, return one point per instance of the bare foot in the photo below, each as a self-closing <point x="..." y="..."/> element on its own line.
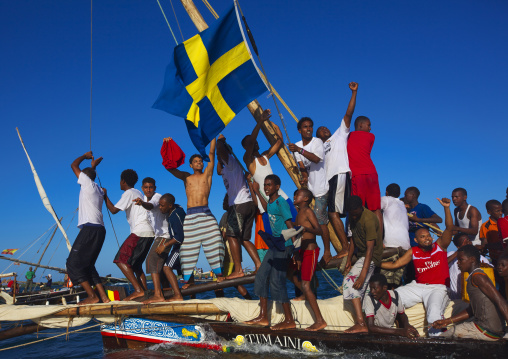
<point x="234" y="275"/>
<point x="89" y="300"/>
<point x="341" y="254"/>
<point x="134" y="295"/>
<point x="284" y="325"/>
<point x="317" y="326"/>
<point x="187" y="285"/>
<point x="357" y="328"/>
<point x="175" y="299"/>
<point x="154" y="299"/>
<point x="259" y="321"/>
<point x="326" y="257"/>
<point x="221" y="279"/>
<point x="299" y="299"/>
<point x="105" y="300"/>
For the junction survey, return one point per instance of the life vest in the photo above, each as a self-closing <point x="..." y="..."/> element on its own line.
<point x="68" y="283"/>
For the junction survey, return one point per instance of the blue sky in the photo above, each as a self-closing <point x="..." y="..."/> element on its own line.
<point x="432" y="77"/>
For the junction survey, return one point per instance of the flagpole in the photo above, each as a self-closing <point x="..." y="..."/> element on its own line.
<point x="254" y="107"/>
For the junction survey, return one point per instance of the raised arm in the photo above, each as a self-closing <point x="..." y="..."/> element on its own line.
<point x="352" y="103"/>
<point x="446" y="238"/>
<point x="75" y="164"/>
<point x="211" y="156"/>
<point x="277" y="145"/>
<point x="174" y="171"/>
<point x="399" y="263"/>
<point x="222" y="151"/>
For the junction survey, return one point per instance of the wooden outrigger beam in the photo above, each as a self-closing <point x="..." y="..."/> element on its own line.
<point x="206" y="287"/>
<point x="254" y="107"/>
<point x="142" y="309"/>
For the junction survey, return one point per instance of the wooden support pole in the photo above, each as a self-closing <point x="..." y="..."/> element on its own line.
<point x="254" y="107"/>
<point x="206" y="287"/>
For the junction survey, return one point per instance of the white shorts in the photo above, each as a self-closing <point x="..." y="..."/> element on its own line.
<point x="340" y="190"/>
<point x="433" y="296"/>
<point x="350" y="279"/>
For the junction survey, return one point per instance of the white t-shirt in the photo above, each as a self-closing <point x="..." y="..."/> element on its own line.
<point x="91" y="198"/>
<point x="395" y="222"/>
<point x="318" y="184"/>
<point x="156" y="217"/>
<point x="137" y="216"/>
<point x="234" y="181"/>
<point x="336" y="159"/>
<point x="455" y="282"/>
<point x="385" y="316"/>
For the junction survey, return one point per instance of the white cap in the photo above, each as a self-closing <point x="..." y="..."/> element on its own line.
<point x="49" y="276"/>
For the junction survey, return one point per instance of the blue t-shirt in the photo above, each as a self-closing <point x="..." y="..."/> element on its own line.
<point x="278" y="213"/>
<point x="421" y="211"/>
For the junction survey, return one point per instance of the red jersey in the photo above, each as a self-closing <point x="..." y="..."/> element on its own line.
<point x="359" y="146"/>
<point x="431" y="267"/>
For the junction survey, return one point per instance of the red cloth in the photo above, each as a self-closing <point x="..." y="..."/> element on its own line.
<point x="431" y="267"/>
<point x="172" y="155"/>
<point x="502" y="226"/>
<point x="359" y="146"/>
<point x="10" y="284"/>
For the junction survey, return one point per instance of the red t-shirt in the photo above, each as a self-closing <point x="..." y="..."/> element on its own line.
<point x="359" y="146"/>
<point x="172" y="155"/>
<point x="431" y="267"/>
<point x="502" y="227"/>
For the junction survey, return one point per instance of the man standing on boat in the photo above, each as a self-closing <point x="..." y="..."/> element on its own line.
<point x="310" y="156"/>
<point x="338" y="173"/>
<point x="29" y="279"/>
<point x="134" y="249"/>
<point x="431" y="271"/>
<point x="241" y="208"/>
<point x="88" y="244"/>
<point x="487" y="306"/>
<point x="200" y="226"/>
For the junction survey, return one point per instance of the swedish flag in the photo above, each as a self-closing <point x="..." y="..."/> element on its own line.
<point x="209" y="80"/>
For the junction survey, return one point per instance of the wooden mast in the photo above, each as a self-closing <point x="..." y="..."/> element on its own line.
<point x="47" y="245"/>
<point x="254" y="107"/>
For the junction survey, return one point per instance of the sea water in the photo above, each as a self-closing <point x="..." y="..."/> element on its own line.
<point x="88" y="344"/>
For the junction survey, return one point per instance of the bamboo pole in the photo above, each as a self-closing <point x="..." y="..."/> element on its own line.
<point x="254" y="107"/>
<point x="61" y="270"/>
<point x="142" y="309"/>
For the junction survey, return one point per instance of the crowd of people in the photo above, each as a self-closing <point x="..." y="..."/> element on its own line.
<point x="390" y="260"/>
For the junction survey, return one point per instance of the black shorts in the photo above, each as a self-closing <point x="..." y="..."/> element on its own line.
<point x="240" y="220"/>
<point x="84" y="253"/>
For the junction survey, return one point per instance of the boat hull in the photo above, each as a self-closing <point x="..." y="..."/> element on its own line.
<point x="228" y="335"/>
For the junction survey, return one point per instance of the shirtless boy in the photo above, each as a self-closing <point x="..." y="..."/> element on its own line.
<point x="200" y="226"/>
<point x="307" y="257"/>
<point x="468" y="219"/>
<point x="88" y="243"/>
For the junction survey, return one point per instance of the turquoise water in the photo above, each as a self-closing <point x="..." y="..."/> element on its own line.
<point x="88" y="344"/>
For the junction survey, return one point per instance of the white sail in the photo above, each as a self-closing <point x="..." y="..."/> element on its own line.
<point x="43" y="195"/>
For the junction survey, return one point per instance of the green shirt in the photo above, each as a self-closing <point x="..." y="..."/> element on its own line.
<point x="367" y="229"/>
<point x="29" y="275"/>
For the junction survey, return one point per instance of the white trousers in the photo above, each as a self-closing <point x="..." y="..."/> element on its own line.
<point x="433" y="296"/>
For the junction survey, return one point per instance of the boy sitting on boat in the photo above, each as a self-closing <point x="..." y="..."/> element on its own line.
<point x="382" y="307"/>
<point x="308" y="255"/>
<point x="272" y="273"/>
<point x="487" y="306"/>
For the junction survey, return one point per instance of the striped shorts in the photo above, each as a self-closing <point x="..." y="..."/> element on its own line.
<point x="200" y="228"/>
